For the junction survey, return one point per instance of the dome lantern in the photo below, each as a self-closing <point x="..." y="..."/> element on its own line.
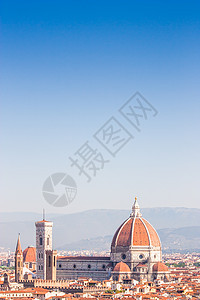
<point x="136" y="209"/>
<point x="135" y="231"/>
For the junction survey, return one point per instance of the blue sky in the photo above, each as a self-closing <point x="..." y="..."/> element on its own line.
<point x="67" y="66"/>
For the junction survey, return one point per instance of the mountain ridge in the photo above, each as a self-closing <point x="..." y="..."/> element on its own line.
<point x="185" y="238"/>
<point x="70" y="228"/>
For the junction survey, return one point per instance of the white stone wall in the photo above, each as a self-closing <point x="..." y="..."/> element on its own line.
<point x="71" y="274"/>
<point x="136" y="255"/>
<point x="96" y="269"/>
<point x="74" y="268"/>
<point x="44" y="232"/>
<point x="82" y="265"/>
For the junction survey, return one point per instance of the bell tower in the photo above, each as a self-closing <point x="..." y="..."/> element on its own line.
<point x="18" y="261"/>
<point x="43" y="244"/>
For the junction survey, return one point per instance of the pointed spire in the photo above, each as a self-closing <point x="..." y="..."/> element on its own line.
<point x="136" y="209"/>
<point x="18" y="247"/>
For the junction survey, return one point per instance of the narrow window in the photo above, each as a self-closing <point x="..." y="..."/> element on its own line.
<point x="49" y="261"/>
<point x="54" y="261"/>
<point x="40" y="240"/>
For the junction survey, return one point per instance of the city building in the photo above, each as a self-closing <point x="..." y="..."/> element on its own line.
<point x="18" y="261"/>
<point x="137" y="244"/>
<point x="45" y="256"/>
<point x="29" y="258"/>
<point x="136" y="255"/>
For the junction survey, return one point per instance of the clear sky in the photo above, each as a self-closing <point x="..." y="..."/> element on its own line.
<point x="67" y="67"/>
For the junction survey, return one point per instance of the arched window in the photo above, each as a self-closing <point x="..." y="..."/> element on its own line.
<point x="123" y="256"/>
<point x="40" y="240"/>
<point x="48" y="241"/>
<point x="49" y="261"/>
<point x="54" y="261"/>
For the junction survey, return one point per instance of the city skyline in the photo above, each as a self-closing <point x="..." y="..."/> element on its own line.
<point x="100" y="150"/>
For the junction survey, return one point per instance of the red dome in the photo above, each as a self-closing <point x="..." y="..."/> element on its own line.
<point x="121" y="267"/>
<point x="136" y="231"/>
<point x="160" y="267"/>
<point x="29" y="254"/>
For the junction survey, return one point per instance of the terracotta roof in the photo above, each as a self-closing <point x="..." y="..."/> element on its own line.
<point x="160" y="267"/>
<point x="136" y="232"/>
<point x="155" y="241"/>
<point x="121" y="267"/>
<point x="140" y="234"/>
<point x="124" y="236"/>
<point x="29" y="254"/>
<point x="43" y="221"/>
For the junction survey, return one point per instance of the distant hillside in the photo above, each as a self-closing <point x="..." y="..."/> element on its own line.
<point x="100" y="243"/>
<point x="180" y="238"/>
<point x="89" y="224"/>
<point x="185" y="238"/>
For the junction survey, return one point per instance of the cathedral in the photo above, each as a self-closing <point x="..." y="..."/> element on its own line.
<point x="136" y="254"/>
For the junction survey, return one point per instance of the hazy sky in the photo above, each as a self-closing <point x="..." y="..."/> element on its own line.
<point x="67" y="67"/>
